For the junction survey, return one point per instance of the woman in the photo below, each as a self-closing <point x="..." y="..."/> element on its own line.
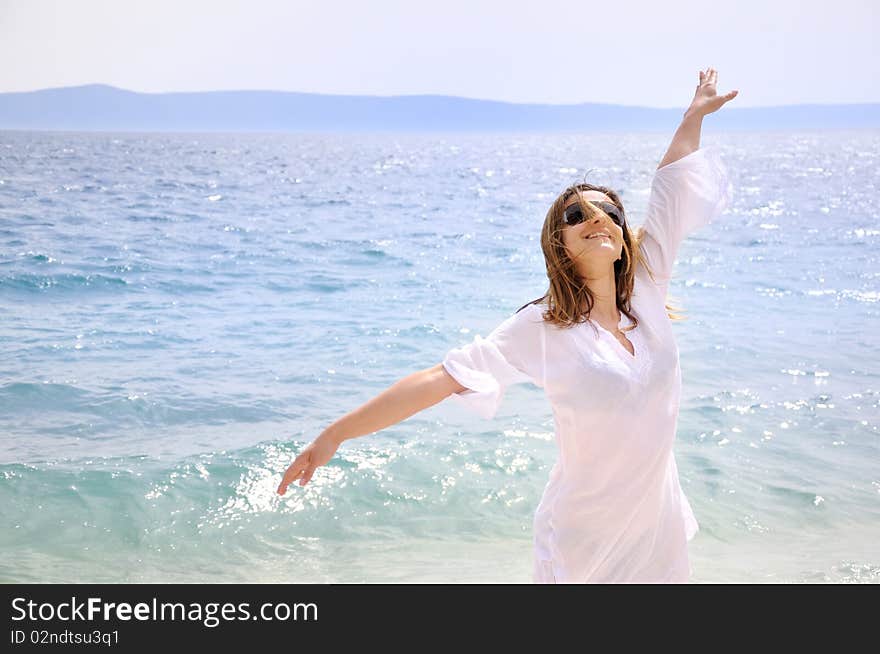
<point x="613" y="509"/>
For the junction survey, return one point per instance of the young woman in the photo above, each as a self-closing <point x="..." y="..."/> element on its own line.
<point x="600" y="344"/>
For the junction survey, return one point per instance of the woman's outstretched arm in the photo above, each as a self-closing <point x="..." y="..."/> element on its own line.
<point x="404" y="398"/>
<point x="706" y="100"/>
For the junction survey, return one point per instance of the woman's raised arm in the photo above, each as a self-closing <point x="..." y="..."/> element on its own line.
<point x="706" y="101"/>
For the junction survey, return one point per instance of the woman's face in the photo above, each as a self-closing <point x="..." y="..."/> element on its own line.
<point x="597" y="242"/>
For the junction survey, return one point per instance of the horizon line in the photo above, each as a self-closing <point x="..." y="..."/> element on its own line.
<point x="426" y="95"/>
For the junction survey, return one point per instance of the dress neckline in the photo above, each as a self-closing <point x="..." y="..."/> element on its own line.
<point x="637" y="354"/>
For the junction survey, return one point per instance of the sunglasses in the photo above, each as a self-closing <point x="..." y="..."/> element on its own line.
<point x="575" y="216"/>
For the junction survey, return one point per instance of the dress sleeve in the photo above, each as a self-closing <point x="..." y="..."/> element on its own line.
<point x="512" y="353"/>
<point x="686" y="195"/>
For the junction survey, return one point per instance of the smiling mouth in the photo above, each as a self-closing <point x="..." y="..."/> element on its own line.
<point x="597" y="236"/>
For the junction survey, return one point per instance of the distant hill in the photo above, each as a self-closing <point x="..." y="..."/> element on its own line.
<point x="107" y="108"/>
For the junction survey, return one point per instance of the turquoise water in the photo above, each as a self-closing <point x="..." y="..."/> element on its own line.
<point x="181" y="313"/>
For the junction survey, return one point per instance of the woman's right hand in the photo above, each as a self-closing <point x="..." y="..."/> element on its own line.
<point x="316" y="453"/>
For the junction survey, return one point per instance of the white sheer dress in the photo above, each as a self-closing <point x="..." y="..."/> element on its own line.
<point x="613" y="509"/>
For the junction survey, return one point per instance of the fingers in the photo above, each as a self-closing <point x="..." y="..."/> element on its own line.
<point x="709" y="77"/>
<point x="296" y="469"/>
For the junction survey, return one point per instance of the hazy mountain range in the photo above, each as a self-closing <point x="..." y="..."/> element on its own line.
<point x="107" y="108"/>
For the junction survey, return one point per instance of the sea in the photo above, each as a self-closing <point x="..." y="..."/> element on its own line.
<point x="182" y="313"/>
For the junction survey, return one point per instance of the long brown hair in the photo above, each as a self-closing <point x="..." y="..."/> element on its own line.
<point x="568" y="292"/>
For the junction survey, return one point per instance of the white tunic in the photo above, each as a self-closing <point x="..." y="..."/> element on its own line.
<point x="613" y="509"/>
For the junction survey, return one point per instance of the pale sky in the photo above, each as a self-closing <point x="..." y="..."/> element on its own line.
<point x="633" y="52"/>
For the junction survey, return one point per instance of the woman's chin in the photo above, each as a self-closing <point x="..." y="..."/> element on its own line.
<point x="602" y="251"/>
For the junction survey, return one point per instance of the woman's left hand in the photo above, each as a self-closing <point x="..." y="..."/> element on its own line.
<point x="706" y="99"/>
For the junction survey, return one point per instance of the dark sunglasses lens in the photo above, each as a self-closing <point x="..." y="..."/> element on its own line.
<point x="574" y="215"/>
<point x="612" y="211"/>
